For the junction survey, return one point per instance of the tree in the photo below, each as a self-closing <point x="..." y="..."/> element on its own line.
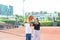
<point x="48" y="18"/>
<point x="45" y="12"/>
<point x="55" y="12"/>
<point x="20" y="18"/>
<point x="41" y="12"/>
<point x="59" y="14"/>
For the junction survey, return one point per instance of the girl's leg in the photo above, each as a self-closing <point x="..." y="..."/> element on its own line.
<point x="26" y="36"/>
<point x="29" y="36"/>
<point x="34" y="38"/>
<point x="38" y="34"/>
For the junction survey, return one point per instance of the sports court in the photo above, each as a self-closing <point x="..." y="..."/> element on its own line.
<point x="47" y="33"/>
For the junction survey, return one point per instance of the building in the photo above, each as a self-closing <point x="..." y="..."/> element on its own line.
<point x="36" y="15"/>
<point x="10" y="10"/>
<point x="6" y="10"/>
<point x="42" y="15"/>
<point x="3" y="9"/>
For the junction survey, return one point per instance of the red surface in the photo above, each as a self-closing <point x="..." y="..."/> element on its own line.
<point x="50" y="33"/>
<point x="47" y="33"/>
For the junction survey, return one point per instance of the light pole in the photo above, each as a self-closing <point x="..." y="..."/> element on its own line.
<point x="23" y="10"/>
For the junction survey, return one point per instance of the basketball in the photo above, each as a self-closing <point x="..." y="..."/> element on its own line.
<point x="30" y="18"/>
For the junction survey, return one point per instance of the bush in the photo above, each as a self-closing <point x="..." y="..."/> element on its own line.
<point x="2" y="22"/>
<point x="45" y="23"/>
<point x="9" y="21"/>
<point x="58" y="22"/>
<point x="58" y="18"/>
<point x="49" y="23"/>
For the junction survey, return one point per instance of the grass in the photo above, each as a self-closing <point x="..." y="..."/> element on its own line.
<point x="2" y="22"/>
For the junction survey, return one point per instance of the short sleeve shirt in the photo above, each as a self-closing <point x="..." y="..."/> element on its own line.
<point x="36" y="26"/>
<point x="28" y="29"/>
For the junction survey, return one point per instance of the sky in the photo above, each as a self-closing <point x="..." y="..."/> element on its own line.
<point x="33" y="5"/>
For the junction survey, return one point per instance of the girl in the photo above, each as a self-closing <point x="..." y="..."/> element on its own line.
<point x="36" y="25"/>
<point x="28" y="29"/>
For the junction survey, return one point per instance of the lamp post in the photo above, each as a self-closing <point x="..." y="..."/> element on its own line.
<point x="23" y="10"/>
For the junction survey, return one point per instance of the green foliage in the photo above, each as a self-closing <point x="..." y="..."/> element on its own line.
<point x="59" y="14"/>
<point x="9" y="21"/>
<point x="20" y="18"/>
<point x="2" y="22"/>
<point x="49" y="23"/>
<point x="58" y="18"/>
<point x="1" y="18"/>
<point x="46" y="23"/>
<point x="48" y="18"/>
<point x="58" y="22"/>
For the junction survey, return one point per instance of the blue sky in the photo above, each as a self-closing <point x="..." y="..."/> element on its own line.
<point x="33" y="5"/>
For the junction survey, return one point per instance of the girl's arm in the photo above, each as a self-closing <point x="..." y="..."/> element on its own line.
<point x="31" y="24"/>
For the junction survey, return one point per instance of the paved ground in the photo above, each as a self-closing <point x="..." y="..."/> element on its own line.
<point x="50" y="33"/>
<point x="47" y="33"/>
<point x="12" y="34"/>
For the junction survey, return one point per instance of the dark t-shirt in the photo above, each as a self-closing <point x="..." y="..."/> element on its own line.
<point x="36" y="26"/>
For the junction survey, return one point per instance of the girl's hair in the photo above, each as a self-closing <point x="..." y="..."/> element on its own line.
<point x="37" y="19"/>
